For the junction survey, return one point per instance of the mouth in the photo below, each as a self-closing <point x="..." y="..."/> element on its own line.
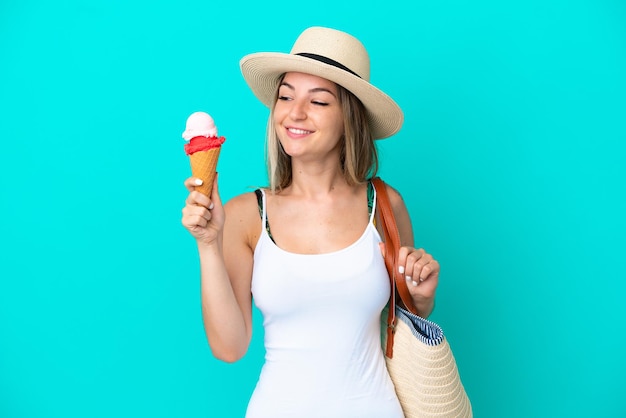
<point x="296" y="131"/>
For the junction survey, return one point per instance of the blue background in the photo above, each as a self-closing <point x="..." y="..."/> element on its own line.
<point x="511" y="161"/>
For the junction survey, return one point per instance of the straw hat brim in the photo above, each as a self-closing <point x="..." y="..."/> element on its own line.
<point x="263" y="70"/>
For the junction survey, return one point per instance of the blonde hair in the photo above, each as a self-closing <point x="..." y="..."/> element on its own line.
<point x="358" y="157"/>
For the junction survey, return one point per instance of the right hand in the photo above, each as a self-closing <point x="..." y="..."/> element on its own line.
<point x="203" y="216"/>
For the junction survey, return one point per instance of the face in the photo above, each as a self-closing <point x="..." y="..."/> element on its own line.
<point x="308" y="117"/>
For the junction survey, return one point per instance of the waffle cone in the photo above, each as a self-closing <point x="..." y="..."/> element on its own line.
<point x="203" y="165"/>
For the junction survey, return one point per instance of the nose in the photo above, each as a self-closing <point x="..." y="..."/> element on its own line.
<point x="297" y="111"/>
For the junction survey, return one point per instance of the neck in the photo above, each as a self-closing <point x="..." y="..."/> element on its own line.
<point x="316" y="180"/>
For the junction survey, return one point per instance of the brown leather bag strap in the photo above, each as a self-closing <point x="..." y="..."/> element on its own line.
<point x="392" y="245"/>
<point x="392" y="249"/>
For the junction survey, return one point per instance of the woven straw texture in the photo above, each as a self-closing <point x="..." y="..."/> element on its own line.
<point x="426" y="377"/>
<point x="203" y="165"/>
<point x="263" y="70"/>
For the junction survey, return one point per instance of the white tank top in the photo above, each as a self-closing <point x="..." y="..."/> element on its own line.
<point x="321" y="315"/>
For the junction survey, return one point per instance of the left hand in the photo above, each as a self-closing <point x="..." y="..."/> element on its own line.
<point x="421" y="271"/>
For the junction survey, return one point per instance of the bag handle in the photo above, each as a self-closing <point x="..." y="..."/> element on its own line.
<point x="392" y="248"/>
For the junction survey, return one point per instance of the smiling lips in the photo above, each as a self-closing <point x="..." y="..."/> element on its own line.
<point x="297" y="131"/>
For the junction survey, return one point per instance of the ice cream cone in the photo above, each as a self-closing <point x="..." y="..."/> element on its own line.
<point x="203" y="165"/>
<point x="203" y="148"/>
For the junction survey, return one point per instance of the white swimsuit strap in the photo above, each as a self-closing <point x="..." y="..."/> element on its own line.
<point x="373" y="203"/>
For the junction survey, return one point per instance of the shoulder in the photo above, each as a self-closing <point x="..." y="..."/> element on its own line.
<point x="401" y="214"/>
<point x="242" y="204"/>
<point x="395" y="198"/>
<point x="243" y="207"/>
<point x="242" y="217"/>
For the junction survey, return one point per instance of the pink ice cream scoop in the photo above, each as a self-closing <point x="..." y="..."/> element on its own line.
<point x="199" y="124"/>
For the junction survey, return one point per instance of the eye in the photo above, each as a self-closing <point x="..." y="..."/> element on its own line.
<point x="284" y="98"/>
<point x="319" y="103"/>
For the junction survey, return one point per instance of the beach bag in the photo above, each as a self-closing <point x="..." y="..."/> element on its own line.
<point x="418" y="356"/>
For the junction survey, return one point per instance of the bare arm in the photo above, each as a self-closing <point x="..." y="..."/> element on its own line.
<point x="420" y="269"/>
<point x="225" y="270"/>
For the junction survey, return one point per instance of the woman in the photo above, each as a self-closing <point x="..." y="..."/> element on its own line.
<point x="307" y="249"/>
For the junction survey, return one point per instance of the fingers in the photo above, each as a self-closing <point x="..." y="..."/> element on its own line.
<point x="196" y="198"/>
<point x="198" y="204"/>
<point x="192" y="182"/>
<point x="203" y="215"/>
<point x="417" y="265"/>
<point x="196" y="213"/>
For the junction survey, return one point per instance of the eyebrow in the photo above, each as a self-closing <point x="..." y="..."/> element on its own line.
<point x="313" y="90"/>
